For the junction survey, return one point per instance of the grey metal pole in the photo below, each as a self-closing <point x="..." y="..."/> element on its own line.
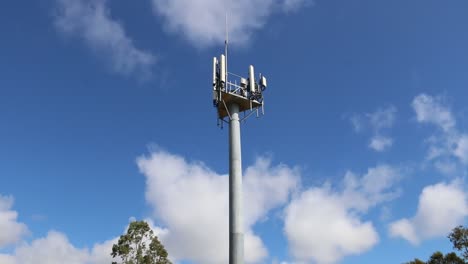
<point x="236" y="233"/>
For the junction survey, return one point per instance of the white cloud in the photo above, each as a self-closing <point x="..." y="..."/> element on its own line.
<point x="192" y="202"/>
<point x="11" y="230"/>
<point x="461" y="148"/>
<point x="203" y="22"/>
<point x="90" y="21"/>
<point x="382" y="118"/>
<point x="380" y="143"/>
<point x="431" y="109"/>
<point x="268" y="187"/>
<point x="448" y="143"/>
<point x="441" y="207"/>
<point x="320" y="227"/>
<point x="376" y="122"/>
<point x="323" y="225"/>
<point x="55" y="248"/>
<point x="7" y="259"/>
<point x="374" y="187"/>
<point x="100" y="253"/>
<point x="52" y="249"/>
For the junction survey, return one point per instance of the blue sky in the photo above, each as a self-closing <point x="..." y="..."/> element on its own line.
<point x="106" y="116"/>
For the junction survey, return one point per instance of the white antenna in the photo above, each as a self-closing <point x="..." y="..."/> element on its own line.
<point x="226" y="41"/>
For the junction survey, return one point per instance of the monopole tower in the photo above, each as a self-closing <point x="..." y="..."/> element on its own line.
<point x="236" y="98"/>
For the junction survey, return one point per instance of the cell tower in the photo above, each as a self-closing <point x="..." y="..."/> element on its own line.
<point x="233" y="95"/>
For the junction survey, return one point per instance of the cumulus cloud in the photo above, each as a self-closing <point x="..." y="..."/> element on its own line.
<point x="319" y="227"/>
<point x="11" y="229"/>
<point x="431" y="109"/>
<point x="448" y="145"/>
<point x="90" y="21"/>
<point x="372" y="188"/>
<point x="376" y="123"/>
<point x="55" y="248"/>
<point x="52" y="249"/>
<point x="324" y="225"/>
<point x="6" y="259"/>
<point x="100" y="253"/>
<point x="203" y="21"/>
<point x="441" y="207"/>
<point x="192" y="202"/>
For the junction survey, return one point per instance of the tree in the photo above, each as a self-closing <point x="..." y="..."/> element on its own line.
<point x="139" y="246"/>
<point x="439" y="258"/>
<point x="450" y="258"/>
<point x="459" y="239"/>
<point x="416" y="261"/>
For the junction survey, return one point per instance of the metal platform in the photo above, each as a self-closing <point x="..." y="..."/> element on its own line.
<point x="233" y="98"/>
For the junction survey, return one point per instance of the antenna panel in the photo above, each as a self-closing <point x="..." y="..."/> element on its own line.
<point x="222" y="68"/>
<point x="215" y="72"/>
<point x="263" y="81"/>
<point x="243" y="82"/>
<point x="251" y="79"/>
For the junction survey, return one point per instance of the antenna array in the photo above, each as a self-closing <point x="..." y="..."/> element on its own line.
<point x="230" y="88"/>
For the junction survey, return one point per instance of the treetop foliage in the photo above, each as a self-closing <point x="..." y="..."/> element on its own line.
<point x="459" y="239"/>
<point x="139" y="246"/>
